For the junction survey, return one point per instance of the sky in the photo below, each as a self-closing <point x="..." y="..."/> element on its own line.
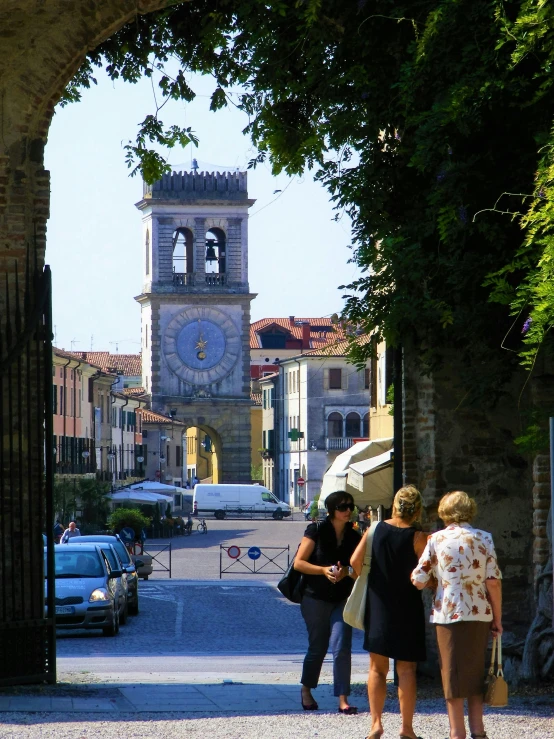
<point x="298" y="253"/>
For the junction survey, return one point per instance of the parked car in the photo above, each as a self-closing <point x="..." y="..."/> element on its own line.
<point x="129" y="566"/>
<point x="122" y="589"/>
<point x="86" y="589"/>
<point x="222" y="500"/>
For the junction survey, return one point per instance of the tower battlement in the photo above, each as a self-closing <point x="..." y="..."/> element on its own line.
<point x="199" y="186"/>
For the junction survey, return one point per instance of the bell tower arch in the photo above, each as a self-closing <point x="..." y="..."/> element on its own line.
<point x="195" y="307"/>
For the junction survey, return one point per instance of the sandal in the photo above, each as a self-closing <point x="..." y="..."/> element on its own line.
<point x="349" y="710"/>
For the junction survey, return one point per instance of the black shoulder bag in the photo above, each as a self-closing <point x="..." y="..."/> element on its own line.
<point x="291" y="585"/>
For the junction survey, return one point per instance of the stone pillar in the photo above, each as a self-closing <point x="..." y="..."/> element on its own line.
<point x="541" y="506"/>
<point x="234" y="252"/>
<point x="199" y="252"/>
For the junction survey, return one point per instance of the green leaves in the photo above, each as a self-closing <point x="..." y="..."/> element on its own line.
<point x="149" y="162"/>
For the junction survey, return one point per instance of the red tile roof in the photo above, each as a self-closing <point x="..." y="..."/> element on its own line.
<point x="135" y="391"/>
<point x="336" y="349"/>
<point x="322" y="330"/>
<point x="129" y="364"/>
<point x="153" y="417"/>
<point x="72" y="355"/>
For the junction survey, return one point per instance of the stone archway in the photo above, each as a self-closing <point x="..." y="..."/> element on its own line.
<point x="42" y="45"/>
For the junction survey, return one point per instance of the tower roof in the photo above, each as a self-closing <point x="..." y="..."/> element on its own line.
<point x="196" y="186"/>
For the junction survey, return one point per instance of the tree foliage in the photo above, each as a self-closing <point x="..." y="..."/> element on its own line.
<point x="430" y="123"/>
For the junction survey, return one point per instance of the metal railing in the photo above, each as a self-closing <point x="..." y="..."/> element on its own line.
<point x="332" y="443"/>
<point x="253" y="561"/>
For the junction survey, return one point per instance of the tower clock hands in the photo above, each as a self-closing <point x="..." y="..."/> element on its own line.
<point x="201" y="344"/>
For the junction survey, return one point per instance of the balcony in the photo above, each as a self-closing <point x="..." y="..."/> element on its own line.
<point x="338" y="443"/>
<point x="214" y="279"/>
<point x="183" y="279"/>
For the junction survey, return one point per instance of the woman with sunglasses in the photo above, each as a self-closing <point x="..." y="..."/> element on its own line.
<point x="395" y="621"/>
<point x="323" y="557"/>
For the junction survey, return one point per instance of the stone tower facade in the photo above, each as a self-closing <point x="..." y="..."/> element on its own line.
<point x="195" y="307"/>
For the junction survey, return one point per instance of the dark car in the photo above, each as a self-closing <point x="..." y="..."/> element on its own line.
<point x="86" y="589"/>
<point x="128" y="565"/>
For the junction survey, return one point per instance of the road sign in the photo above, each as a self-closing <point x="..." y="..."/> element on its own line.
<point x="300" y="481"/>
<point x="127" y="534"/>
<point x="254" y="552"/>
<point x="233" y="552"/>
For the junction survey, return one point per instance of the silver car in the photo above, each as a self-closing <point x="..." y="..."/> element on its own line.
<point x="87" y="595"/>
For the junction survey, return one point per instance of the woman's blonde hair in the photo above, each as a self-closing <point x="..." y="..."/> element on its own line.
<point x="456" y="507"/>
<point x="407" y="503"/>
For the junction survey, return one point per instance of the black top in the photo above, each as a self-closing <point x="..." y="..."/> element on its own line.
<point x="327" y="552"/>
<point x="395" y="621"/>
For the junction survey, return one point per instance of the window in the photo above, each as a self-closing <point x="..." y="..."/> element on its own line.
<point x="55" y="400"/>
<point x="183" y="244"/>
<point x="352" y="425"/>
<point x="365" y="427"/>
<point x="178" y="456"/>
<point x="167" y="455"/>
<point x="335" y="379"/>
<point x="273" y="339"/>
<point x="367" y="375"/>
<point x="334" y="425"/>
<point x="215" y="252"/>
<point x="271" y="439"/>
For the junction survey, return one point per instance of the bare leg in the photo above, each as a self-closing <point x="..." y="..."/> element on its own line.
<point x="377" y="690"/>
<point x="455" y="708"/>
<point x="407" y="696"/>
<point x="475" y="714"/>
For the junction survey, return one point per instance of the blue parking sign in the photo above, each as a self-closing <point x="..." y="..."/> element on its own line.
<point x="254" y="553"/>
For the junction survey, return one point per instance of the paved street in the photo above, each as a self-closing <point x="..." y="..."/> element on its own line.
<point x="216" y="658"/>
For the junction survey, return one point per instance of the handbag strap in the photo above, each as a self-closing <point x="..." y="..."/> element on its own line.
<point x="369" y="544"/>
<point x="499" y="671"/>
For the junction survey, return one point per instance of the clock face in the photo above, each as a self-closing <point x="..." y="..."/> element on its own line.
<point x="201" y="345"/>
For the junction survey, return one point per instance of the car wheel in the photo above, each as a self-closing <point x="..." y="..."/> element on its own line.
<point x="278" y="515"/>
<point x="220" y="515"/>
<point x="124" y="614"/>
<point x="113" y="628"/>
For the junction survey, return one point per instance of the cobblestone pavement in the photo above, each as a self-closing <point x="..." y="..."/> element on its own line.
<point x="217" y="658"/>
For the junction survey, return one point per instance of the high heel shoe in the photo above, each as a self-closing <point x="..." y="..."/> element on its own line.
<point x="308" y="706"/>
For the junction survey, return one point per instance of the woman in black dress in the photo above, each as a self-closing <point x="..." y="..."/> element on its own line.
<point x="395" y="622"/>
<point x="324" y="558"/>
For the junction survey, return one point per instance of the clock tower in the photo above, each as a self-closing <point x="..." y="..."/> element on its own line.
<point x="195" y="309"/>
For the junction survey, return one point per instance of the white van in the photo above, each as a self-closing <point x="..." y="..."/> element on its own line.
<point x="237" y="499"/>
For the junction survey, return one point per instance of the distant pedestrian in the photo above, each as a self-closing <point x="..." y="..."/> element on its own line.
<point x="58" y="531"/>
<point x="187" y="485"/>
<point x="394" y="620"/>
<point x="323" y="558"/>
<point x="195" y="481"/>
<point x="70" y="532"/>
<point x="461" y="563"/>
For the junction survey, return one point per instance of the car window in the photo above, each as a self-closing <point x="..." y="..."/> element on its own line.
<point x="120" y="548"/>
<point x="111" y="556"/>
<point x="78" y="564"/>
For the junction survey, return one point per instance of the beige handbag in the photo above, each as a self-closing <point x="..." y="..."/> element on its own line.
<point x="354" y="609"/>
<point x="496" y="688"/>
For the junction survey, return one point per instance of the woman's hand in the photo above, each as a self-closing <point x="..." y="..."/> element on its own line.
<point x="335" y="573"/>
<point x="496" y="628"/>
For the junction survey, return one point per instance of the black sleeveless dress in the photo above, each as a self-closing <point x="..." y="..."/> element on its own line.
<point x="394" y="620"/>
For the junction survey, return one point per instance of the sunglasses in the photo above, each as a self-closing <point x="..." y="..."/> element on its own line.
<point x="342" y="507"/>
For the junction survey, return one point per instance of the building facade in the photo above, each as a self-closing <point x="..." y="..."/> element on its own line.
<point x="195" y="309"/>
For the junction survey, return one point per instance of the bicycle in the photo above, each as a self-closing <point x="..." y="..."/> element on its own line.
<point x="202" y="527"/>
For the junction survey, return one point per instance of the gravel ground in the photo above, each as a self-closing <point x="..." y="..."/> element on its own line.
<point x="522" y="720"/>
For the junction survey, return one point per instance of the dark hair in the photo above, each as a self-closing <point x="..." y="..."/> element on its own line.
<point x="335" y="499"/>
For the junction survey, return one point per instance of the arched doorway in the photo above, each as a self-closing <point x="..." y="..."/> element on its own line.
<point x="203" y="462"/>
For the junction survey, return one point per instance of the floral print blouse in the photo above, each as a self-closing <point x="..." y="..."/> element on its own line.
<point x="461" y="558"/>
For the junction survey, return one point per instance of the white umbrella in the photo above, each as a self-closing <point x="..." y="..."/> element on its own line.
<point x="139" y="496"/>
<point x="150" y="486"/>
<point x="336" y="477"/>
<point x="373" y="479"/>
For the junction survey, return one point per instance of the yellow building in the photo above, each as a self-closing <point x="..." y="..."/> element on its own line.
<point x="380" y="388"/>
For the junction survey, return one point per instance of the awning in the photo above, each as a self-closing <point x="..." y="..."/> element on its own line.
<point x="336" y="477"/>
<point x="139" y="496"/>
<point x="373" y="481"/>
<point x="150" y="486"/>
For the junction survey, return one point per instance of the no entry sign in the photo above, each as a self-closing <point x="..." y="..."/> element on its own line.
<point x="233" y="552"/>
<point x="300" y="481"/>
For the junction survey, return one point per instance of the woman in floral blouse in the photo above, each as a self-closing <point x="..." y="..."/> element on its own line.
<point x="467" y="607"/>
